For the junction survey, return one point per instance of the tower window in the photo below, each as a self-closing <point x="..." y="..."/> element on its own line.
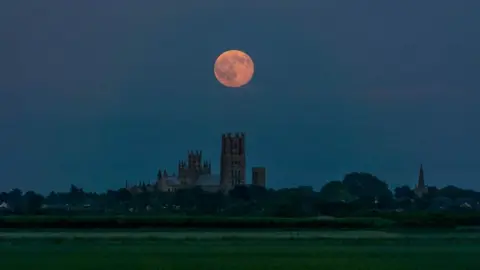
<point x="234" y="147"/>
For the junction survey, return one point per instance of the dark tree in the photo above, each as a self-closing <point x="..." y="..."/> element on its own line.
<point x="32" y="202"/>
<point x="454" y="193"/>
<point x="124" y="195"/>
<point x="367" y="188"/>
<point x="404" y="192"/>
<point x="335" y="191"/>
<point x="76" y="196"/>
<point x="14" y="199"/>
<point x="240" y="193"/>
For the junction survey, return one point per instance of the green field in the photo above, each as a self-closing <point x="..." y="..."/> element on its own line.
<point x="389" y="221"/>
<point x="367" y="250"/>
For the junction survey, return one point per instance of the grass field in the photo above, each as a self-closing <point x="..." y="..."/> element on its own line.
<point x="367" y="250"/>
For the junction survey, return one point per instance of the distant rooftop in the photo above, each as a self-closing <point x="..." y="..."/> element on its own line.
<point x="209" y="180"/>
<point x="172" y="181"/>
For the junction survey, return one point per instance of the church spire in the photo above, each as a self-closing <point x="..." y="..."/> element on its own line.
<point x="421" y="181"/>
<point x="421" y="189"/>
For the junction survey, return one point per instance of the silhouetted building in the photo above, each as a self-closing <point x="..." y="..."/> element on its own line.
<point x="232" y="161"/>
<point x="194" y="172"/>
<point x="190" y="171"/>
<point x="167" y="183"/>
<point x="420" y="188"/>
<point x="259" y="176"/>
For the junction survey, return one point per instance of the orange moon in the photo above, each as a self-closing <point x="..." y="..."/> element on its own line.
<point x="234" y="68"/>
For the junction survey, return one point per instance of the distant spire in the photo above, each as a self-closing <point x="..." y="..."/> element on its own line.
<point x="421" y="180"/>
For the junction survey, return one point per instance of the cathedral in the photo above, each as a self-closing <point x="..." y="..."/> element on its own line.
<point x="197" y="172"/>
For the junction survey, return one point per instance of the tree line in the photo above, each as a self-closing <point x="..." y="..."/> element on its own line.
<point x="358" y="194"/>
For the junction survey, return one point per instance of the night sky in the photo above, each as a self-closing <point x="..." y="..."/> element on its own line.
<point x="98" y="92"/>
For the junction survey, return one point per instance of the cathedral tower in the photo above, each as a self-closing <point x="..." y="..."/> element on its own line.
<point x="190" y="170"/>
<point x="232" y="161"/>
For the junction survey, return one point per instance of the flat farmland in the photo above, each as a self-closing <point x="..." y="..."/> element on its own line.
<point x="229" y="234"/>
<point x="238" y="250"/>
<point x="197" y="235"/>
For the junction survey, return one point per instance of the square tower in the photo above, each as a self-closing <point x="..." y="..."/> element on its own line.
<point x="259" y="176"/>
<point x="190" y="170"/>
<point x="232" y="161"/>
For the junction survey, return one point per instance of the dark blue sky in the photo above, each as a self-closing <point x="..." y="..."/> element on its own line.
<point x="99" y="92"/>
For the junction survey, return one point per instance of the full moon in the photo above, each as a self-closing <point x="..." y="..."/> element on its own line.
<point x="234" y="68"/>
